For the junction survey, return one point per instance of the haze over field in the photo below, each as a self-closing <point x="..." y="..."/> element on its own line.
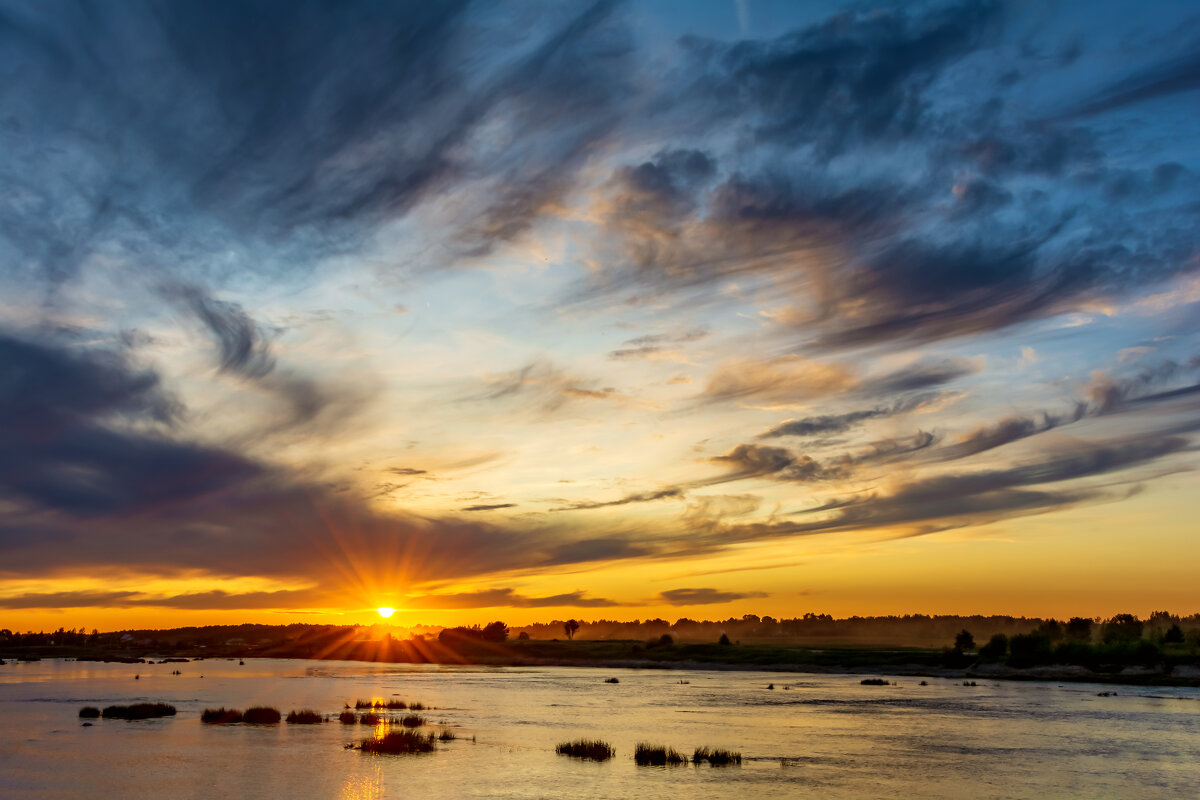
<point x="545" y="310"/>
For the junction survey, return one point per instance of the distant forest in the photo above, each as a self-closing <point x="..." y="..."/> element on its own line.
<point x="910" y="630"/>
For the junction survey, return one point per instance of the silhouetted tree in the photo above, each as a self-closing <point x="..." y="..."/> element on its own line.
<point x="1121" y="628"/>
<point x="1027" y="649"/>
<point x="964" y="641"/>
<point x="569" y="627"/>
<point x="1052" y="630"/>
<point x="724" y="640"/>
<point x="1079" y="629"/>
<point x="494" y="632"/>
<point x="1174" y="635"/>
<point x="995" y="649"/>
<point x="523" y="636"/>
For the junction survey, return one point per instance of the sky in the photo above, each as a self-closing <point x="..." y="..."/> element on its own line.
<point x="540" y="310"/>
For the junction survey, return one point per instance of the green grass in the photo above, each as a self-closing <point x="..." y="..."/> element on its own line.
<point x="656" y="755"/>
<point x="305" y="716"/>
<point x="139" y="711"/>
<point x="718" y="758"/>
<point x="592" y="749"/>
<point x="401" y="741"/>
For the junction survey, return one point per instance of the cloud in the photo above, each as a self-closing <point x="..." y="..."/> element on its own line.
<point x="507" y="598"/>
<point x="652" y="346"/>
<point x="840" y="423"/>
<point x="778" y="382"/>
<point x="670" y="493"/>
<point x="243" y="348"/>
<point x="704" y="597"/>
<point x="489" y="507"/>
<point x="920" y="375"/>
<point x="1162" y="80"/>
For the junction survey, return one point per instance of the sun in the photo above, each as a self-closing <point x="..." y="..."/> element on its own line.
<point x="386" y="612"/>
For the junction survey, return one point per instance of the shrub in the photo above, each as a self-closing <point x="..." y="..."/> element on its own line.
<point x="347" y="718"/>
<point x="718" y="758"/>
<point x="220" y="716"/>
<point x="139" y="711"/>
<point x="592" y="749"/>
<point x="262" y="715"/>
<point x="412" y="720"/>
<point x="995" y="649"/>
<point x="305" y="716"/>
<point x="401" y="741"/>
<point x="89" y="712"/>
<point x="656" y="755"/>
<point x="724" y="640"/>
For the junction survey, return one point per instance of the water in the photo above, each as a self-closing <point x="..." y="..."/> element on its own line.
<point x="826" y="736"/>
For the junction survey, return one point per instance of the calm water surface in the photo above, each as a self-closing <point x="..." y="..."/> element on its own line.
<point x="826" y="736"/>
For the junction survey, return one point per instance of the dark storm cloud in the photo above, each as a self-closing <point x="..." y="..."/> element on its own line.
<point x="68" y="444"/>
<point x="705" y="596"/>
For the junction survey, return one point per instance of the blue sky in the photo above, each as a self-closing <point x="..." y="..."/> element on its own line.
<point x="530" y="308"/>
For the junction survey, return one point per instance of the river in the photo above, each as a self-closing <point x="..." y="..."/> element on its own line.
<point x="823" y="736"/>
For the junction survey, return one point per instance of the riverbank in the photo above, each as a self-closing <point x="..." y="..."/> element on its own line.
<point x="608" y="654"/>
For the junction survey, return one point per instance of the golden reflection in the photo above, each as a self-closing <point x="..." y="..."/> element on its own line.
<point x="366" y="786"/>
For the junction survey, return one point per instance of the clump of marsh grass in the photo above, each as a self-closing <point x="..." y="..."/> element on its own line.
<point x="401" y="741"/>
<point x="262" y="715"/>
<point x="390" y="705"/>
<point x="89" y="712"/>
<point x="592" y="749"/>
<point x="446" y="736"/>
<point x="139" y="711"/>
<point x="656" y="755"/>
<point x="716" y="757"/>
<point x="370" y="718"/>
<point x="412" y="720"/>
<point x="305" y="716"/>
<point x="612" y="680"/>
<point x="220" y="716"/>
<point x="347" y="718"/>
<point x="873" y="682"/>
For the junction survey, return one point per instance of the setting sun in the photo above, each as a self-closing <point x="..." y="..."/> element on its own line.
<point x="386" y="612"/>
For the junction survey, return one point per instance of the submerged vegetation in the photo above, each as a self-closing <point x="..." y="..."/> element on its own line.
<point x="718" y="758"/>
<point x="592" y="749"/>
<point x="138" y="711"/>
<point x="656" y="755"/>
<point x="400" y="741"/>
<point x="305" y="716"/>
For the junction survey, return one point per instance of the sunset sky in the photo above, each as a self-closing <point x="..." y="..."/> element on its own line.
<point x="540" y="310"/>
